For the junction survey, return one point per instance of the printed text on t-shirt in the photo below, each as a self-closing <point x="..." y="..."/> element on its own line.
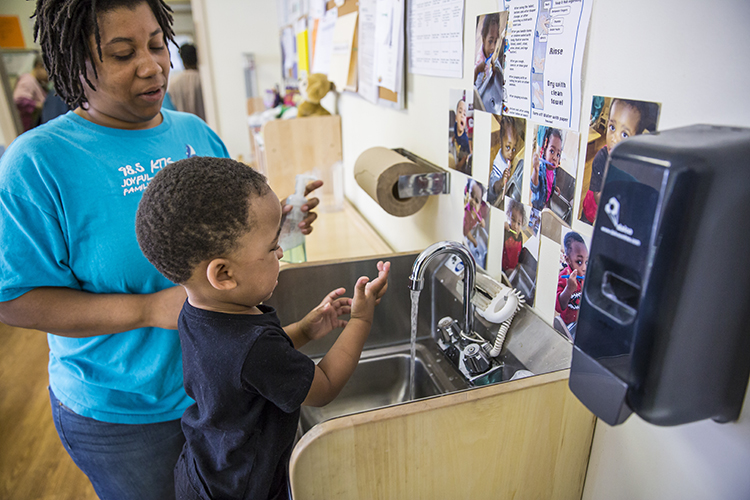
<point x="136" y="178"/>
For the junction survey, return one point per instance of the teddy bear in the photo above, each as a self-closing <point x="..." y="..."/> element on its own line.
<point x="313" y="89"/>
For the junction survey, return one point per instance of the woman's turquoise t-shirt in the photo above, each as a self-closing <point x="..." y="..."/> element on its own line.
<point x="69" y="191"/>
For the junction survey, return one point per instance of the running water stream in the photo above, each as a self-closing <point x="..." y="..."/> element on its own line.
<point x="413" y="354"/>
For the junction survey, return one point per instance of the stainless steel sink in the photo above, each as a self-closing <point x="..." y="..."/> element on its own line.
<point x="382" y="376"/>
<point x="382" y="379"/>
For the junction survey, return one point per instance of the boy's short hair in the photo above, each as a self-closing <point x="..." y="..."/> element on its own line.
<point x="196" y="209"/>
<point x="459" y="103"/>
<point x="514" y="204"/>
<point x="648" y="111"/>
<point x="570" y="238"/>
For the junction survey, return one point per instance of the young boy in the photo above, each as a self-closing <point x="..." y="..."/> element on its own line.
<point x="461" y="144"/>
<point x="570" y="280"/>
<point x="626" y="118"/>
<point x="212" y="225"/>
<point x="500" y="173"/>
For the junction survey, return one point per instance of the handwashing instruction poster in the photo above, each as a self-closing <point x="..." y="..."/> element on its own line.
<point x="543" y="61"/>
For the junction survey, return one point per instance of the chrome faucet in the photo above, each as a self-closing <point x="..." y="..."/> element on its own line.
<point x="416" y="280"/>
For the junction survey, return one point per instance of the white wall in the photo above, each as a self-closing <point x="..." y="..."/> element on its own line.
<point x="684" y="54"/>
<point x="225" y="29"/>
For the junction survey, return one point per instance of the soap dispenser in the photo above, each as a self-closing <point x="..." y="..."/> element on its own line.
<point x="291" y="239"/>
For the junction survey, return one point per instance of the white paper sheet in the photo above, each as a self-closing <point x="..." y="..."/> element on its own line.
<point x="324" y="42"/>
<point x="543" y="62"/>
<point x="436" y="37"/>
<point x="341" y="54"/>
<point x="367" y="86"/>
<point x="389" y="42"/>
<point x="317" y="8"/>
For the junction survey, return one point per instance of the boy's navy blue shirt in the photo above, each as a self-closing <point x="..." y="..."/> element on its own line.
<point x="248" y="382"/>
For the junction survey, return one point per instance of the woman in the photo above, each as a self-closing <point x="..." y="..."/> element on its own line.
<point x="71" y="265"/>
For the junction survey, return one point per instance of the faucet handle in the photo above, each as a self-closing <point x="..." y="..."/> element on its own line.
<point x="475" y="359"/>
<point x="449" y="330"/>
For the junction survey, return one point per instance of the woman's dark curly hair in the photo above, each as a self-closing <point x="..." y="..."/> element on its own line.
<point x="196" y="209"/>
<point x="63" y="28"/>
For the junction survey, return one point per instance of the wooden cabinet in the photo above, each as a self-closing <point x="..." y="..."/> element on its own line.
<point x="523" y="439"/>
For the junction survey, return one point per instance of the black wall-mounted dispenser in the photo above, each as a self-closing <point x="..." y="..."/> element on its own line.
<point x="664" y="325"/>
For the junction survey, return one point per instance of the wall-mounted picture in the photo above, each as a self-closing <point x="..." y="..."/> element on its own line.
<point x="612" y="120"/>
<point x="460" y="131"/>
<point x="521" y="247"/>
<point x="574" y="258"/>
<point x="476" y="221"/>
<point x="553" y="170"/>
<point x="489" y="60"/>
<point x="507" y="146"/>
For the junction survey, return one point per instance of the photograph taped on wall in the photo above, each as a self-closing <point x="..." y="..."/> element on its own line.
<point x="553" y="169"/>
<point x="507" y="146"/>
<point x="574" y="259"/>
<point x="612" y="119"/>
<point x="476" y="221"/>
<point x="521" y="247"/>
<point x="489" y="61"/>
<point x="460" y="131"/>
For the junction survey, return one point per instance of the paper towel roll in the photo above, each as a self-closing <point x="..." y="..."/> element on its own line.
<point x="377" y="171"/>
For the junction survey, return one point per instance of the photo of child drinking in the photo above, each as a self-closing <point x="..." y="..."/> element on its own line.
<point x="476" y="222"/>
<point x="515" y="218"/>
<point x="489" y="60"/>
<point x="612" y="120"/>
<point x="506" y="147"/>
<point x="461" y="115"/>
<point x="521" y="247"/>
<point x="553" y="169"/>
<point x="575" y="259"/>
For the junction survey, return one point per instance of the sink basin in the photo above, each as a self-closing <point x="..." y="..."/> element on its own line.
<point x="382" y="375"/>
<point x="382" y="379"/>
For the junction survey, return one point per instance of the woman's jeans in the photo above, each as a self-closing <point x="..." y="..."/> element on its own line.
<point x="122" y="461"/>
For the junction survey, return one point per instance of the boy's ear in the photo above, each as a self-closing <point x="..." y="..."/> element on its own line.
<point x="219" y="274"/>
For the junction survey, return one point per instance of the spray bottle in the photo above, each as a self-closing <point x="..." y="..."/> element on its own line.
<point x="291" y="239"/>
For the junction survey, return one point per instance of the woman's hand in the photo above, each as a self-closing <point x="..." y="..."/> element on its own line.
<point x="165" y="306"/>
<point x="306" y="224"/>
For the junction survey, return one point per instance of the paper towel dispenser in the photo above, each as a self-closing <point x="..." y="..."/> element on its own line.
<point x="664" y="325"/>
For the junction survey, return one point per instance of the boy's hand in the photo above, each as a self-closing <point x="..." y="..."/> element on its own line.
<point x="325" y="317"/>
<point x="368" y="295"/>
<point x="572" y="283"/>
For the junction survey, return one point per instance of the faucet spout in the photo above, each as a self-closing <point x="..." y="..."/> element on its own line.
<point x="416" y="280"/>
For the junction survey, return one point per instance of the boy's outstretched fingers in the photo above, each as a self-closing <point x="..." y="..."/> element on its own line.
<point x="380" y="284"/>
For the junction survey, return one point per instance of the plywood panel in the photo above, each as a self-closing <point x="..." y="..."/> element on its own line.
<point x="300" y="145"/>
<point x="526" y="439"/>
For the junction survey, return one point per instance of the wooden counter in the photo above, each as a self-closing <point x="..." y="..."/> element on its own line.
<point x="524" y="439"/>
<point x="343" y="234"/>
